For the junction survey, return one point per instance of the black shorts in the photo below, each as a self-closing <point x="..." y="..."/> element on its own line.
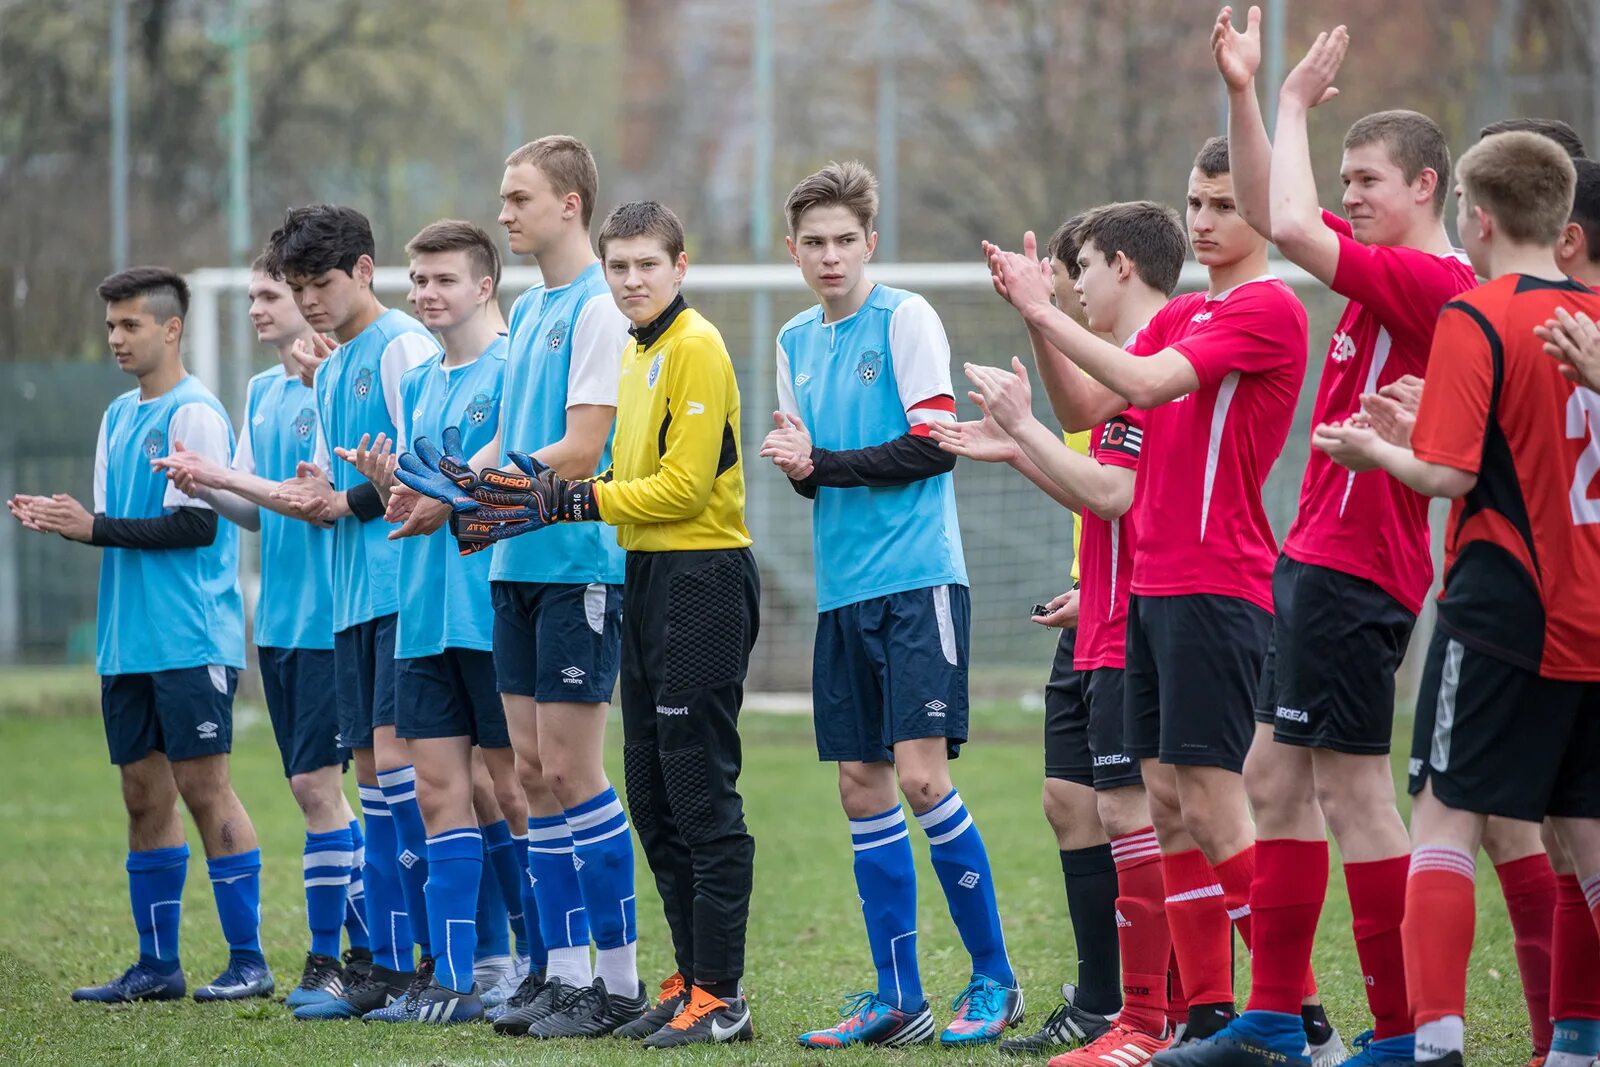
<point x="556" y="642"/>
<point x="1066" y="719"/>
<point x="450" y="695"/>
<point x="1193" y="666"/>
<point x="1497" y="739"/>
<point x="1328" y="680"/>
<point x="184" y="713"/>
<point x="1103" y="691"/>
<point x="303" y="703"/>
<point x="363" y="663"/>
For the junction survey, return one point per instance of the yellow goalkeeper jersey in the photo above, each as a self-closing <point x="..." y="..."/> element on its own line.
<point x="1078" y="442"/>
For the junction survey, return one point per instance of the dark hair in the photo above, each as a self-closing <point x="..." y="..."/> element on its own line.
<point x="849" y="184"/>
<point x="1415" y="143"/>
<point x="1586" y="204"/>
<point x="1063" y="245"/>
<point x="1555" y="129"/>
<point x="165" y="293"/>
<point x="1149" y="234"/>
<point x="457" y="235"/>
<point x="643" y="218"/>
<point x="567" y="164"/>
<point x="1213" y="158"/>
<point x="316" y="239"/>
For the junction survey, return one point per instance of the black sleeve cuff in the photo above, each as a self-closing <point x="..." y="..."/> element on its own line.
<point x="188" y="527"/>
<point x="906" y="459"/>
<point x="365" y="502"/>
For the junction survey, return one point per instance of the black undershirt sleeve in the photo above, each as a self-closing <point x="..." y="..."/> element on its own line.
<point x="365" y="502"/>
<point x="179" y="528"/>
<point x="906" y="459"/>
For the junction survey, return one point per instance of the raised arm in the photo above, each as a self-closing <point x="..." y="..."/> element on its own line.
<point x="1296" y="221"/>
<point x="1238" y="57"/>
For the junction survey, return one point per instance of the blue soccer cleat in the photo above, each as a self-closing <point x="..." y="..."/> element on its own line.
<point x="322" y="980"/>
<point x="404" y="1008"/>
<point x="139" y="982"/>
<point x="983" y="1011"/>
<point x="381" y="986"/>
<point x="1397" y="1051"/>
<point x="241" y="980"/>
<point x="1254" y="1039"/>
<point x="867" y="1020"/>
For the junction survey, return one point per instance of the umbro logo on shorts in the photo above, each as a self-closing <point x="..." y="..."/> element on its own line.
<point x="968" y="880"/>
<point x="936" y="708"/>
<point x="572" y="675"/>
<point x="207" y="731"/>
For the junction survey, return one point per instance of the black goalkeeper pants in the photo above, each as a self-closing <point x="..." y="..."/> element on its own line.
<point x="689" y="620"/>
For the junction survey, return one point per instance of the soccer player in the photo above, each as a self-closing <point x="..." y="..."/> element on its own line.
<point x="1356" y="564"/>
<point x="675" y="492"/>
<point x="293" y="630"/>
<point x="868" y="371"/>
<point x="1219" y="390"/>
<point x="1129" y="260"/>
<point x="170" y="645"/>
<point x="325" y="254"/>
<point x="1512" y="674"/>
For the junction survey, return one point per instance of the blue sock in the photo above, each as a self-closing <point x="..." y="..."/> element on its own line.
<point x="604" y="851"/>
<point x="962" y="864"/>
<point x="508" y="860"/>
<point x="455" y="864"/>
<point x="494" y="925"/>
<point x="236" y="885"/>
<point x="563" y="926"/>
<point x="400" y="793"/>
<point x="537" y="956"/>
<point x="355" y="900"/>
<point x="155" y="891"/>
<point x="1580" y="1037"/>
<point x="388" y="924"/>
<point x="886" y="879"/>
<point x="326" y="865"/>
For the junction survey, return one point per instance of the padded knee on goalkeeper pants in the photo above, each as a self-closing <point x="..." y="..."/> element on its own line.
<point x="688" y="792"/>
<point x="641" y="778"/>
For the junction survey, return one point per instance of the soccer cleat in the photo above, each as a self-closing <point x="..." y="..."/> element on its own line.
<point x="379" y="988"/>
<point x="1398" y="1051"/>
<point x="673" y="996"/>
<point x="867" y="1020"/>
<point x="521" y="997"/>
<point x="590" y="1011"/>
<point x="501" y="989"/>
<point x="403" y="1009"/>
<point x="983" y="1011"/>
<point x="321" y="980"/>
<point x="1120" y="1045"/>
<point x="1068" y="1027"/>
<point x="1329" y="1053"/>
<point x="488" y="970"/>
<point x="139" y="982"/>
<point x="357" y="965"/>
<point x="438" y="1006"/>
<point x="1254" y="1039"/>
<point x="241" y="980"/>
<point x="705" y="1020"/>
<point x="543" y="1001"/>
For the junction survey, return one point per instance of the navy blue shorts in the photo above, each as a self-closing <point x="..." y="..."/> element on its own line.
<point x="303" y="703"/>
<point x="185" y="713"/>
<point x="450" y="695"/>
<point x="364" y="673"/>
<point x="891" y="669"/>
<point x="557" y="643"/>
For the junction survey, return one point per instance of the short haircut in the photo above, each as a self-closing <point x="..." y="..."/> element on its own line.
<point x="1524" y="181"/>
<point x="643" y="218"/>
<point x="1149" y="234"/>
<point x="316" y="239"/>
<point x="1213" y="158"/>
<point x="849" y="184"/>
<point x="1063" y="245"/>
<point x="1586" y="204"/>
<point x="165" y="293"/>
<point x="1414" y="142"/>
<point x="567" y="165"/>
<point x="262" y="264"/>
<point x="458" y="235"/>
<point x="1555" y="129"/>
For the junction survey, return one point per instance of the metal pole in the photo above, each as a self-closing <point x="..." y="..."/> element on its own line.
<point x="888" y="134"/>
<point x="760" y="367"/>
<point x="239" y="240"/>
<point x="1272" y="60"/>
<point x="119" y="134"/>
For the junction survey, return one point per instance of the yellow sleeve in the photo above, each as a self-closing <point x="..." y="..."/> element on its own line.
<point x="1078" y="442"/>
<point x="697" y="384"/>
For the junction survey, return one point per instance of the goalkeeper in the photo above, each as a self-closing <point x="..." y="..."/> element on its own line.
<point x="675" y="492"/>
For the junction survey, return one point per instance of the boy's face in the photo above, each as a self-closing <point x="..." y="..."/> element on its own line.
<point x="138" y="342"/>
<point x="1381" y="205"/>
<point x="533" y="215"/>
<point x="1470" y="226"/>
<point x="333" y="298"/>
<point x="644" y="277"/>
<point x="1100" y="286"/>
<point x="444" y="289"/>
<point x="1217" y="232"/>
<point x="273" y="311"/>
<point x="831" y="249"/>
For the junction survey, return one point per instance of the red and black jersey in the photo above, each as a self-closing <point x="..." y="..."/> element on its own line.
<point x="1522" y="552"/>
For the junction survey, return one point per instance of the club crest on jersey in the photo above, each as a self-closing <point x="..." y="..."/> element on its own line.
<point x="304" y="423"/>
<point x="155" y="443"/>
<point x="869" y="366"/>
<point x="655" y="371"/>
<point x="558" y="334"/>
<point x="363" y="383"/>
<point x="1342" y="348"/>
<point x="478" y="410"/>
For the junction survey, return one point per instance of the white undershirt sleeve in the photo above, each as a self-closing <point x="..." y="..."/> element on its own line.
<point x="100" y="460"/>
<point x="599" y="338"/>
<point x="786" y="399"/>
<point x="403" y="353"/>
<point x="202" y="430"/>
<point x="920" y="351"/>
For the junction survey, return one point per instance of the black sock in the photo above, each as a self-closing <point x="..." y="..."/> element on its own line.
<point x="1091" y="877"/>
<point x="1315" y="1020"/>
<point x="728" y="990"/>
<point x="1207" y="1019"/>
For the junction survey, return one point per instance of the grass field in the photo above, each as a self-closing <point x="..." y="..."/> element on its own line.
<point x="64" y="914"/>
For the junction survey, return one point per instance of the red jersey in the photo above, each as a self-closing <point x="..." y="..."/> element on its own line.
<point x="1370" y="525"/>
<point x="1106" y="570"/>
<point x="1522" y="551"/>
<point x="1202" y="525"/>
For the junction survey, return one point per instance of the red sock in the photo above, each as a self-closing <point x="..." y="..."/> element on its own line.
<point x="1142" y="934"/>
<point x="1377" y="904"/>
<point x="1437" y="932"/>
<point x="1574" y="955"/>
<point x="1177" y="999"/>
<point x="1285" y="903"/>
<point x="1529" y="886"/>
<point x="1236" y="875"/>
<point x="1199" y="923"/>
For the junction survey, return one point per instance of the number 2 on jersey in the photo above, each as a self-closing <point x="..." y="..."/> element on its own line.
<point x="1583" y="420"/>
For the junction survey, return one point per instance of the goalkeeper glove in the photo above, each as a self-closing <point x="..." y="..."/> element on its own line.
<point x="534" y="492"/>
<point x="445" y="476"/>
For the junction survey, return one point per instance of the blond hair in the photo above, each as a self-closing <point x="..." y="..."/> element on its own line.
<point x="566" y="163"/>
<point x="1524" y="181"/>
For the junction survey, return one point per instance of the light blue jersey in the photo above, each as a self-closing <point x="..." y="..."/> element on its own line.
<point x="295" y="606"/>
<point x="565" y="349"/>
<point x="859" y="382"/>
<point x="170" y="608"/>
<point x="444" y="596"/>
<point x="358" y="392"/>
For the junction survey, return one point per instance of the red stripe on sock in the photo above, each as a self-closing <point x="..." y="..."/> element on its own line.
<point x="1199" y="923"/>
<point x="1574" y="955"/>
<point x="1285" y="902"/>
<point x="1142" y="934"/>
<point x="1377" y="905"/>
<point x="1529" y="886"/>
<point x="1437" y="934"/>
